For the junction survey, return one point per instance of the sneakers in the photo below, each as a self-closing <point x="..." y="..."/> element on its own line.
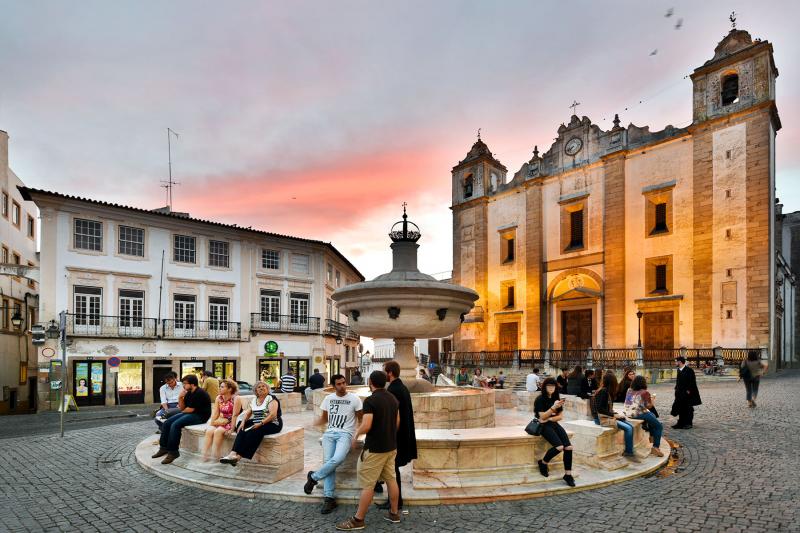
<point x="328" y="505"/>
<point x="543" y="469"/>
<point x="569" y="480"/>
<point x="394" y="518"/>
<point x="169" y="458"/>
<point x="308" y="488"/>
<point x="160" y="453"/>
<point x="351" y="524"/>
<point x="655" y="451"/>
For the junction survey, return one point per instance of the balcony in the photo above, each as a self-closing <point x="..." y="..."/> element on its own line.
<point x="201" y="329"/>
<point x="332" y="327"/>
<point x="284" y="323"/>
<point x="87" y="325"/>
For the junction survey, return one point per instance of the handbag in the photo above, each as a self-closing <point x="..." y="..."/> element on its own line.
<point x="744" y="371"/>
<point x="534" y="428"/>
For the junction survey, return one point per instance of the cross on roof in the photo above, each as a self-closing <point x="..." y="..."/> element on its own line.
<point x="479" y="134"/>
<point x="732" y="18"/>
<point x="404" y="207"/>
<point x="574" y="106"/>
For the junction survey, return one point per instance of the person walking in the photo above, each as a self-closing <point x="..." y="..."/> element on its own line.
<point x="751" y="371"/>
<point x="434" y="369"/>
<point x="195" y="406"/>
<point x="687" y="396"/>
<point x="639" y="404"/>
<point x="406" y="434"/>
<point x="549" y="409"/>
<point x="262" y="417"/>
<point x="340" y="410"/>
<point x="380" y="422"/>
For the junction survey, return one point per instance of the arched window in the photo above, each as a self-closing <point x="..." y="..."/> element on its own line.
<point x="730" y="89"/>
<point x="468" y="186"/>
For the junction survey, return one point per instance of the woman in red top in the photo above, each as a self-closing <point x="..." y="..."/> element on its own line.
<point x="223" y="415"/>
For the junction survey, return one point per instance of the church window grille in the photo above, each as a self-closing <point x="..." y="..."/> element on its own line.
<point x="575" y="229"/>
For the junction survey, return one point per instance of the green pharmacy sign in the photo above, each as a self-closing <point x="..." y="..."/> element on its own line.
<point x="270" y="348"/>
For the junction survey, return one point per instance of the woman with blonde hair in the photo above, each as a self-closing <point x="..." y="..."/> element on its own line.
<point x="262" y="417"/>
<point x="224" y="411"/>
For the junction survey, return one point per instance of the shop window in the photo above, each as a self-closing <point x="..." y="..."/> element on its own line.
<point x="730" y="89"/>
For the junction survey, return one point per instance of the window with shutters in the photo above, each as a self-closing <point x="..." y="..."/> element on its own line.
<point x="575" y="230"/>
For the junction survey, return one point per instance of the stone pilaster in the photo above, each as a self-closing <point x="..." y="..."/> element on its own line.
<point x="614" y="252"/>
<point x="702" y="208"/>
<point x="536" y="299"/>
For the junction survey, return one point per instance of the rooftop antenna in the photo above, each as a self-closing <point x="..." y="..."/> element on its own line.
<point x="170" y="182"/>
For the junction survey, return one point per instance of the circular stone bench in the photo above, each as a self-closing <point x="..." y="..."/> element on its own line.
<point x="481" y="457"/>
<point x="504" y="399"/>
<point x="278" y="456"/>
<point x="290" y="401"/>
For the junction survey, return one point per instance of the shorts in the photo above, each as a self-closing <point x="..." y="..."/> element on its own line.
<point x="375" y="466"/>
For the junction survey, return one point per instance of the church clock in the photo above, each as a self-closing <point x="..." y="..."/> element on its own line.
<point x="573" y="146"/>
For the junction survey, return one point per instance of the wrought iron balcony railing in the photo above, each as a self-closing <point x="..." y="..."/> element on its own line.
<point x="284" y="323"/>
<point x="201" y="329"/>
<point x="332" y="327"/>
<point x="88" y="325"/>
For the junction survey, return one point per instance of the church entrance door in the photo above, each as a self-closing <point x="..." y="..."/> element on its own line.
<point x="659" y="330"/>
<point x="509" y="336"/>
<point x="576" y="329"/>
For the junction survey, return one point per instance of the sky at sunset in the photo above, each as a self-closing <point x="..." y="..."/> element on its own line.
<point x="319" y="119"/>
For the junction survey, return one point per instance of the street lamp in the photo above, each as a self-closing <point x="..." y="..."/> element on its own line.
<point x="639" y="315"/>
<point x="52" y="330"/>
<point x="16" y="319"/>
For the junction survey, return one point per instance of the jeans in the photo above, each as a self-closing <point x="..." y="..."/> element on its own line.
<point x="335" y="445"/>
<point x="627" y="429"/>
<point x="171" y="410"/>
<point x="553" y="433"/>
<point x="751" y="386"/>
<point x="656" y="427"/>
<point x="170" y="438"/>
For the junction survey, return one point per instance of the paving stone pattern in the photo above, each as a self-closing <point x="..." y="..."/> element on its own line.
<point x="737" y="471"/>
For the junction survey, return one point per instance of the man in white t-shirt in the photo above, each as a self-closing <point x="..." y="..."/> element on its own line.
<point x="340" y="410"/>
<point x="532" y="381"/>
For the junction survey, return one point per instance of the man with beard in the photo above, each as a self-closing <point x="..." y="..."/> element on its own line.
<point x="406" y="436"/>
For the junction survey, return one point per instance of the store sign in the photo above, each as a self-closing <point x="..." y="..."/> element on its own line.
<point x="270" y="348"/>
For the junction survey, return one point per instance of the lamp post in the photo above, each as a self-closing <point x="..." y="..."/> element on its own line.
<point x="639" y="315"/>
<point x="339" y="342"/>
<point x="59" y="331"/>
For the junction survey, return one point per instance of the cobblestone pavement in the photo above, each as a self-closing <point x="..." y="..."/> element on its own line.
<point x="738" y="470"/>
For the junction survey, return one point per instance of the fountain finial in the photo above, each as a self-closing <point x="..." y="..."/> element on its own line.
<point x="408" y="231"/>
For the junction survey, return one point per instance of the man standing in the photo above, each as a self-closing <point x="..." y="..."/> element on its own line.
<point x="561" y="381"/>
<point x="406" y="434"/>
<point x="288" y="382"/>
<point x="532" y="381"/>
<point x="195" y="406"/>
<point x="686" y="395"/>
<point x="435" y="370"/>
<point x="210" y="384"/>
<point x="462" y="379"/>
<point x="169" y="393"/>
<point x="380" y="422"/>
<point x="339" y="411"/>
<point x="316" y="381"/>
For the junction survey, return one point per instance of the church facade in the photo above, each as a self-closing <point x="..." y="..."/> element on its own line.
<point x="611" y="238"/>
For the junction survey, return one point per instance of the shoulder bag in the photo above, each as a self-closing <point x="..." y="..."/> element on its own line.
<point x="534" y="428"/>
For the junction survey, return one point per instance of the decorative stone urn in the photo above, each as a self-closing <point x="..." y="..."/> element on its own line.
<point x="405" y="304"/>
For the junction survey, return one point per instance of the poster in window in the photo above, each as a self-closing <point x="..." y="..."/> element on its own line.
<point x="97" y="378"/>
<point x="130" y="378"/>
<point x="82" y="379"/>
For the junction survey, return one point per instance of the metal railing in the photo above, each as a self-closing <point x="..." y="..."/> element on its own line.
<point x="88" y="325"/>
<point x="531" y="358"/>
<point x="568" y="358"/>
<point x="333" y="327"/>
<point x="284" y="323"/>
<point x="735" y="356"/>
<point x="201" y="329"/>
<point x="615" y="358"/>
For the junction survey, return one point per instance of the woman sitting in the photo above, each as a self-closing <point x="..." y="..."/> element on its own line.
<point x="224" y="411"/>
<point x="479" y="380"/>
<point x="639" y="405"/>
<point x="262" y="417"/>
<point x="627" y="378"/>
<point x="604" y="415"/>
<point x="549" y="410"/>
<point x="574" y="381"/>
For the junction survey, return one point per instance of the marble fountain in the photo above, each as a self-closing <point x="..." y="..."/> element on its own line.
<point x="471" y="441"/>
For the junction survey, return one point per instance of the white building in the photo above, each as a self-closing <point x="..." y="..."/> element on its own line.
<point x="17" y="294"/>
<point x="163" y="291"/>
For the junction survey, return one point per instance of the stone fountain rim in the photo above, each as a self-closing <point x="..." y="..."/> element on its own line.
<point x="478" y="392"/>
<point x="374" y="286"/>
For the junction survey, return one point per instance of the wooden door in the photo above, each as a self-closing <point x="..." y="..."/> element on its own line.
<point x="658" y="330"/>
<point x="509" y="336"/>
<point x="576" y="329"/>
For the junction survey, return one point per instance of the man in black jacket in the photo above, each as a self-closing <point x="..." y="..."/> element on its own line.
<point x="686" y="395"/>
<point x="406" y="436"/>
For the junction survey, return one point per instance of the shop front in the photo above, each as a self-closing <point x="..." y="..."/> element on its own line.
<point x="130" y="383"/>
<point x="224" y="369"/>
<point x="88" y="382"/>
<point x="192" y="367"/>
<point x="269" y="370"/>
<point x="300" y="369"/>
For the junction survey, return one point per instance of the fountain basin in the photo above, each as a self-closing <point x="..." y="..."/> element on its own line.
<point x="444" y="408"/>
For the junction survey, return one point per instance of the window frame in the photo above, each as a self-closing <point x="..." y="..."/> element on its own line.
<point x="4" y="204"/>
<point x="87" y="236"/>
<point x="31" y="228"/>
<point x="184" y="251"/>
<point x="16" y="212"/>
<point x="266" y="260"/>
<point x="129" y="242"/>
<point x="215" y="258"/>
